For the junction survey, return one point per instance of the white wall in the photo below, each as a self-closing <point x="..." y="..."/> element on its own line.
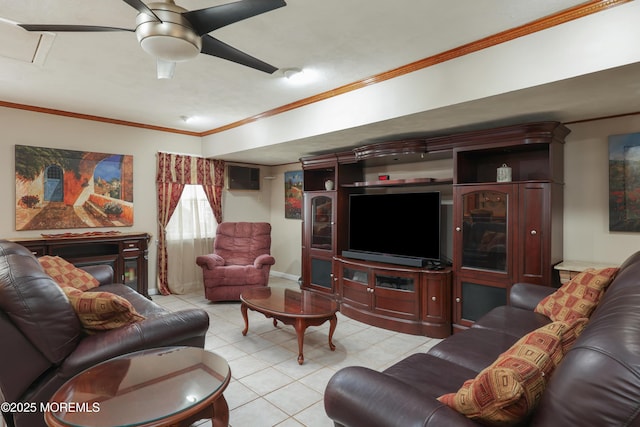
<point x="593" y="43"/>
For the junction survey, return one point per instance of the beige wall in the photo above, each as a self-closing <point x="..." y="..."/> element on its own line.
<point x="267" y="204"/>
<point x="586" y="234"/>
<point x="248" y="205"/>
<point x="287" y="233"/>
<point x="586" y="197"/>
<point x="45" y="130"/>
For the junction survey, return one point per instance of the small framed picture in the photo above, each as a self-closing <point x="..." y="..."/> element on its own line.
<point x="293" y="194"/>
<point x="624" y="182"/>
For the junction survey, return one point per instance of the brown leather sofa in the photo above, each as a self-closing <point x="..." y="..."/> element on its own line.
<point x="43" y="344"/>
<point x="597" y="383"/>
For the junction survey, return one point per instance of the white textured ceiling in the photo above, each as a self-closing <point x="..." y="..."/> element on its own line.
<point x="340" y="41"/>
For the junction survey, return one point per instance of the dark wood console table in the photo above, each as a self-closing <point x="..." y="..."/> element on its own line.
<point x="126" y="253"/>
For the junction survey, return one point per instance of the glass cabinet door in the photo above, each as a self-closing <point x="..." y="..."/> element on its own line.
<point x="322" y="223"/>
<point x="319" y="241"/>
<point x="322" y="273"/>
<point x="395" y="282"/>
<point x="130" y="274"/>
<point x="484" y="230"/>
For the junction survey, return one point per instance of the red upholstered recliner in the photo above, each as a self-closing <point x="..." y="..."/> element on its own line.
<point x="241" y="259"/>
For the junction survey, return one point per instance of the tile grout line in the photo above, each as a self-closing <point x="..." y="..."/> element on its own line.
<point x="268" y="341"/>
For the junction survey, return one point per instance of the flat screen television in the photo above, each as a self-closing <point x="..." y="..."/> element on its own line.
<point x="397" y="228"/>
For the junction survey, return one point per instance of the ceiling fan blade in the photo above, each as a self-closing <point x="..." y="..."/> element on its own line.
<point x="215" y="47"/>
<point x="70" y="28"/>
<point x="206" y="20"/>
<point x="165" y="69"/>
<point x="142" y="8"/>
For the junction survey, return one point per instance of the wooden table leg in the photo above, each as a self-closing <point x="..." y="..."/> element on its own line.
<point x="333" y="321"/>
<point x="243" y="309"/>
<point x="220" y="413"/>
<point x="217" y="412"/>
<point x="300" y="326"/>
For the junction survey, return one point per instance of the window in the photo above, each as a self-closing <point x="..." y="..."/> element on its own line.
<point x="190" y="233"/>
<point x="193" y="217"/>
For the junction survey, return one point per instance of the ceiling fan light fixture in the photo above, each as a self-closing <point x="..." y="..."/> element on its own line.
<point x="169" y="48"/>
<point x="171" y="33"/>
<point x="173" y="39"/>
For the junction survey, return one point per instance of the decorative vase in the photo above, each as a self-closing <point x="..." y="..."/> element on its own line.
<point x="504" y="173"/>
<point x="328" y="184"/>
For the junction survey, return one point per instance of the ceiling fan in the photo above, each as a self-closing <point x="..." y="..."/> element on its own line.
<point x="173" y="34"/>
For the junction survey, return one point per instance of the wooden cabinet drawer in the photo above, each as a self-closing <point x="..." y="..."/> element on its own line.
<point x="131" y="245"/>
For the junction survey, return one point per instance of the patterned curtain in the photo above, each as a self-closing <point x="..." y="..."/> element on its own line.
<point x="173" y="172"/>
<point x="213" y="187"/>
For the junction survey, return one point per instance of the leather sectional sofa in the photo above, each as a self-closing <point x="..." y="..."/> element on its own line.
<point x="43" y="343"/>
<point x="596" y="383"/>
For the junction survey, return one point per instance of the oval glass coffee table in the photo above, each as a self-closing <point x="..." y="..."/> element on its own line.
<point x="292" y="307"/>
<point x="170" y="386"/>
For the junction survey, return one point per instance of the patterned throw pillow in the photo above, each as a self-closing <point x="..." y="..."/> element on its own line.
<point x="505" y="392"/>
<point x="578" y="297"/>
<point x="571" y="334"/>
<point x="67" y="274"/>
<point x="101" y="310"/>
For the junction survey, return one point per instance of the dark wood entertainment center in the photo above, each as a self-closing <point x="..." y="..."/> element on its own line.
<point x="502" y="232"/>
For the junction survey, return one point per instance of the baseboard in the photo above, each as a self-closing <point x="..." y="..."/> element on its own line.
<point x="292" y="277"/>
<point x="284" y="275"/>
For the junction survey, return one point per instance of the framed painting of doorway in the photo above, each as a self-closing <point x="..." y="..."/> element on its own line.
<point x="58" y="189"/>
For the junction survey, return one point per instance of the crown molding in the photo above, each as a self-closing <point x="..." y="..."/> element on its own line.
<point x="576" y="12"/>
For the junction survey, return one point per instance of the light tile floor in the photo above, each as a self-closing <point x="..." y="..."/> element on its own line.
<point x="268" y="387"/>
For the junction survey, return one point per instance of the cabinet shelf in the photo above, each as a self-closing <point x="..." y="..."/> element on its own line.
<point x="400" y="182"/>
<point x="482" y="184"/>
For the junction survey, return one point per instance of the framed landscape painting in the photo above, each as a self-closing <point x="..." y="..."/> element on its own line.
<point x="624" y="182"/>
<point x="293" y="195"/>
<point x="72" y="189"/>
